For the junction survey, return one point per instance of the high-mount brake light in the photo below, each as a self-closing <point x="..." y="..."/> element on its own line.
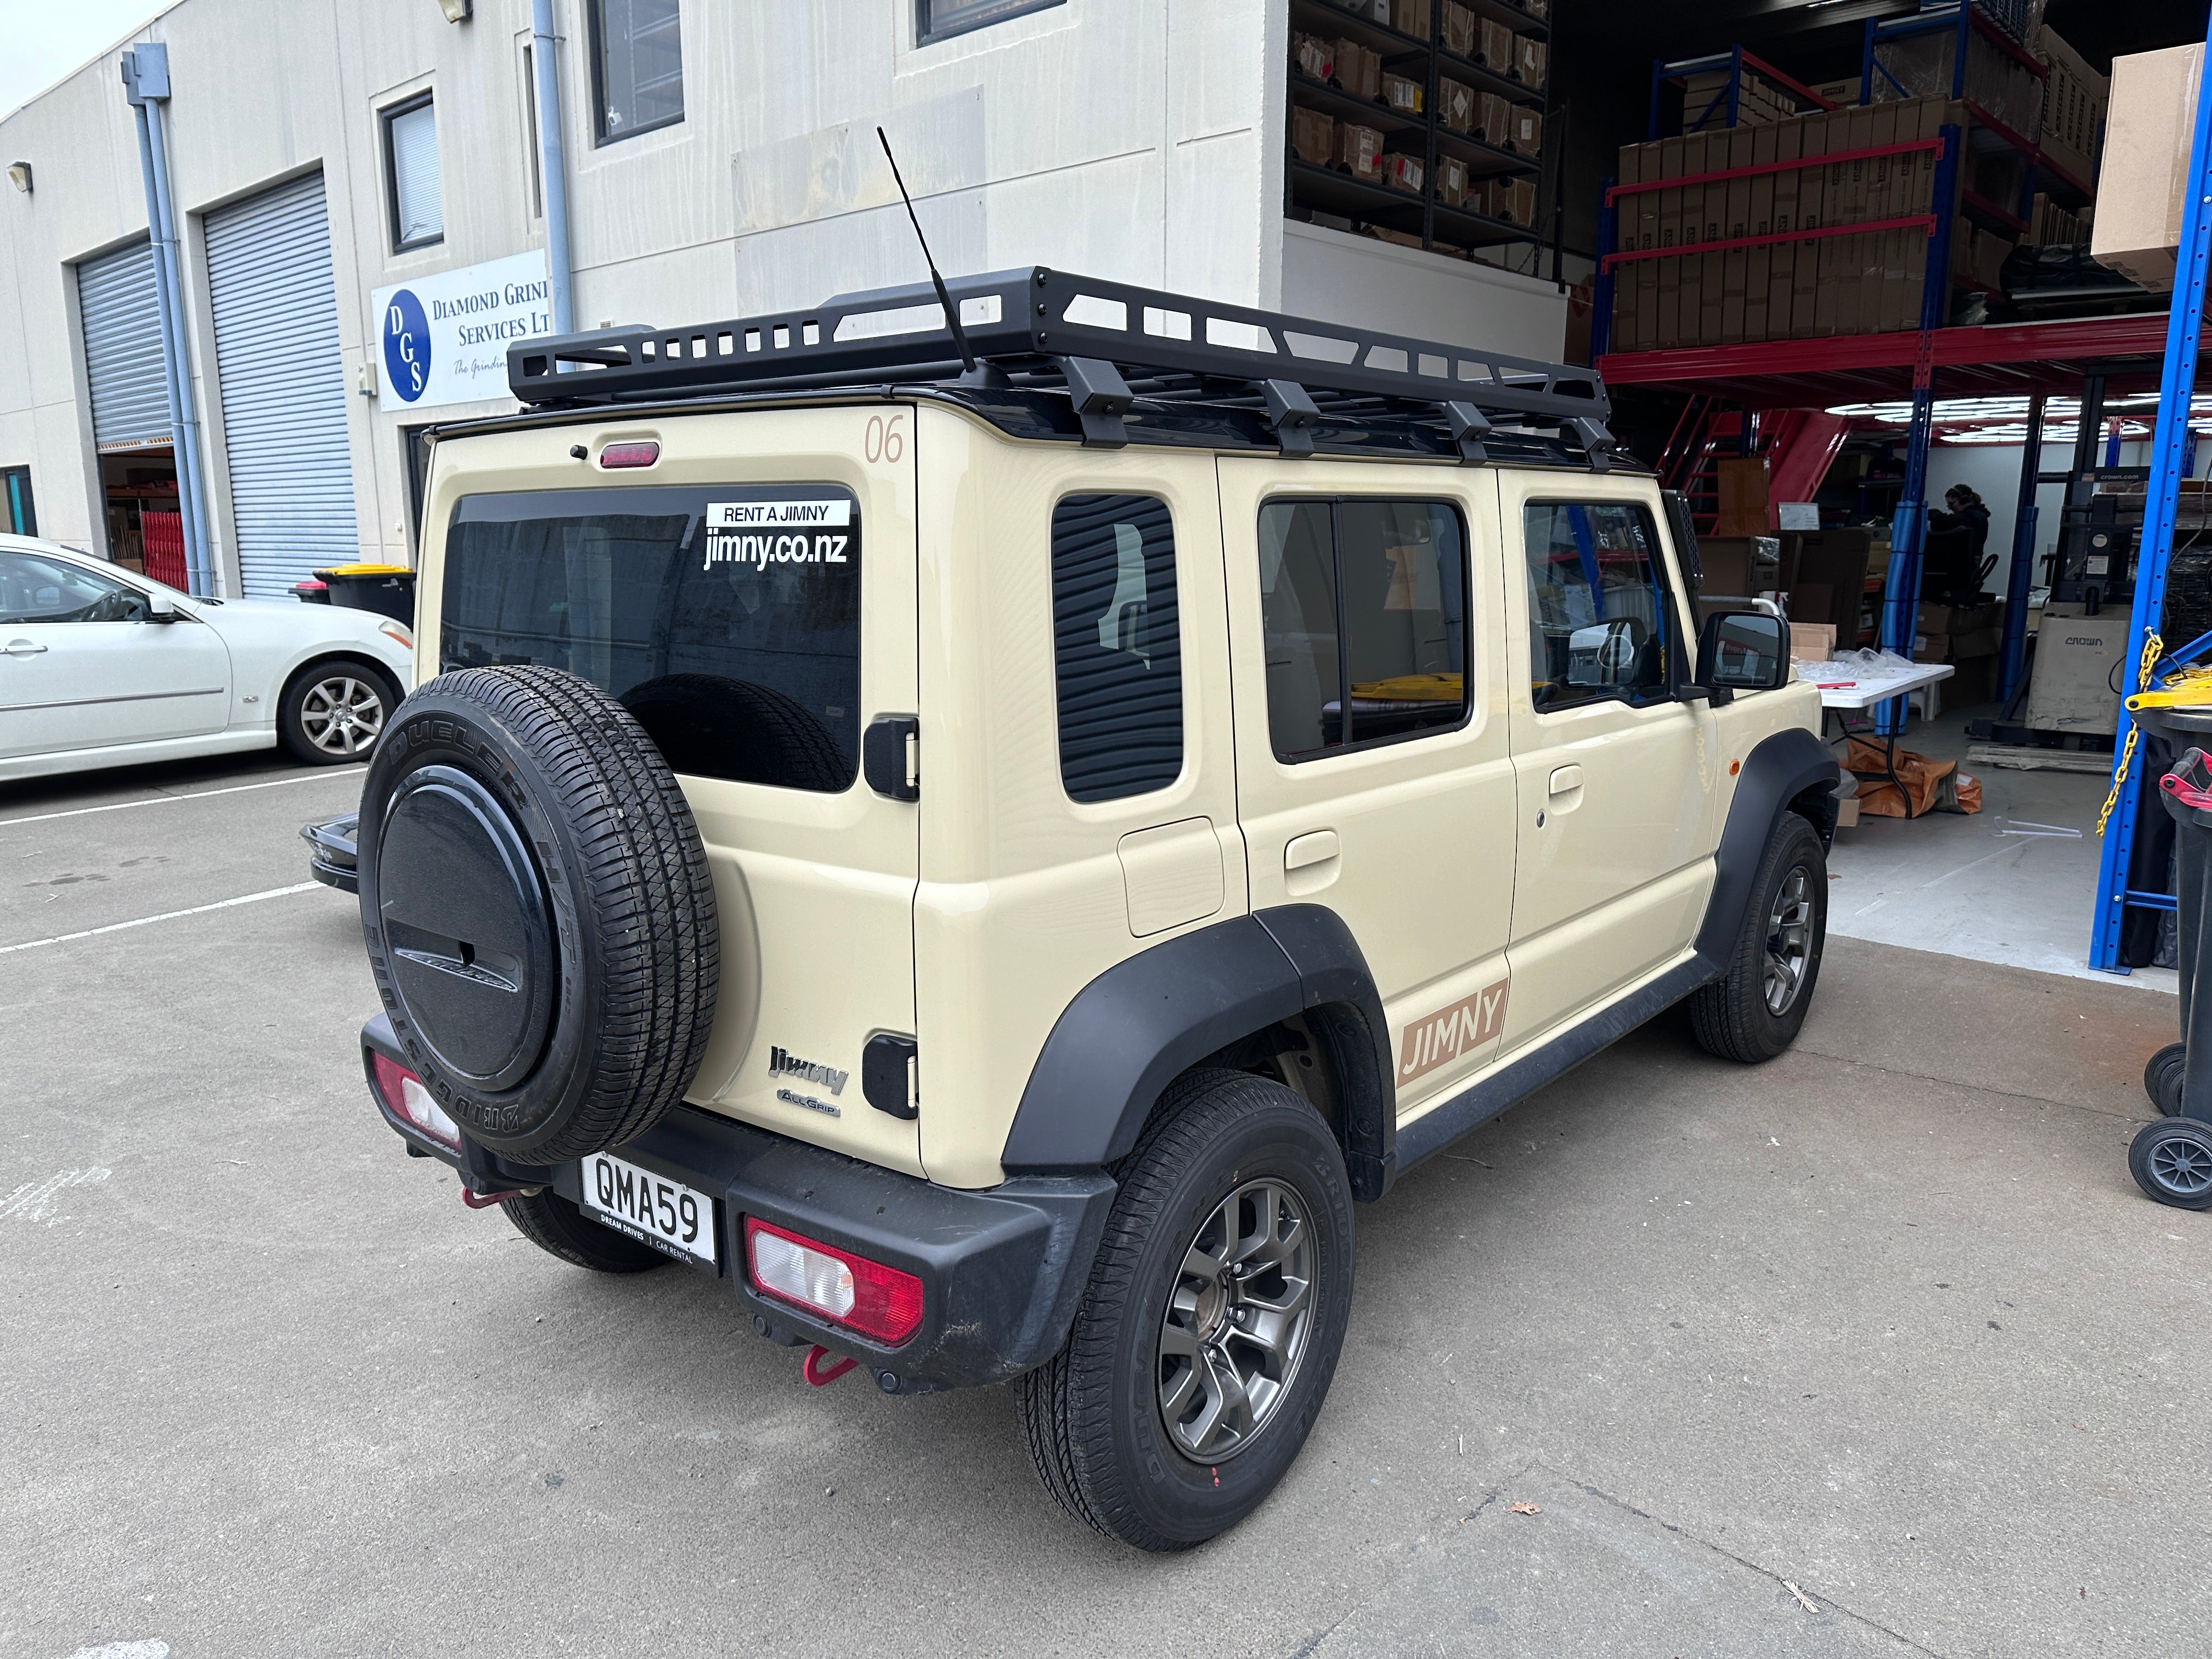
<point x="880" y="1302"/>
<point x="404" y="1093"/>
<point x="641" y="454"/>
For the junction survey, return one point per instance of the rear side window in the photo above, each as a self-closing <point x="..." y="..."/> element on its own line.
<point x="1598" y="617"/>
<point x="726" y="618"/>
<point x="1117" y="646"/>
<point x="1364" y="606"/>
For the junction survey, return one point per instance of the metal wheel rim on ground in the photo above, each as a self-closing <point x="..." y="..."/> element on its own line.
<point x="1788" y="939"/>
<point x="343" y="715"/>
<point x="1237" y="1323"/>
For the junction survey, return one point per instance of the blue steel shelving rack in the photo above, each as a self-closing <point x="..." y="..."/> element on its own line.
<point x="2184" y="324"/>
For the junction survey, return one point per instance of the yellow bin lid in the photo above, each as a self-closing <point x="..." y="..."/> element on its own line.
<point x="366" y="570"/>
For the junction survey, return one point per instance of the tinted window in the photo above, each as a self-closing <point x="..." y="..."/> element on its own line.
<point x="942" y="19"/>
<point x="1364" y="604"/>
<point x="1117" y="646"/>
<point x="411" y="148"/>
<point x="727" y="618"/>
<point x="39" y="590"/>
<point x="637" y="65"/>
<point x="1598" y="618"/>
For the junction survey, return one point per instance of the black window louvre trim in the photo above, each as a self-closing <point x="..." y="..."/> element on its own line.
<point x="1032" y="344"/>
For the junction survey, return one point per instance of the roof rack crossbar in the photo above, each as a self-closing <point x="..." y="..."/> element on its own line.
<point x="1037" y="319"/>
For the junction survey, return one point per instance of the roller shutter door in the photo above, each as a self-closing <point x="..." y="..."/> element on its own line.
<point x="283" y="386"/>
<point x="122" y="318"/>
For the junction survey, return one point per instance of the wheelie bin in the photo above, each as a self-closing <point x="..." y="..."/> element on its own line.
<point x="388" y="589"/>
<point x="2172" y="1158"/>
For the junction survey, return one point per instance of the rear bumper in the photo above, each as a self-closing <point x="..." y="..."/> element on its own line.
<point x="1001" y="1270"/>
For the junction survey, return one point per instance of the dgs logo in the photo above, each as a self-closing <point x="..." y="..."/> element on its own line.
<point x="407" y="346"/>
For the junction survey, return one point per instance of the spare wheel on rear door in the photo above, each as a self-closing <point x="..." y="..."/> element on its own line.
<point x="539" y="912"/>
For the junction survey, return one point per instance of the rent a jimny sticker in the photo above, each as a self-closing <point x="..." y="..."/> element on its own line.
<point x="759" y="534"/>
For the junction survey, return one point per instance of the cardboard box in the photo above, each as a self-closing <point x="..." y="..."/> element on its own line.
<point x="1398" y="238"/>
<point x="1403" y="171"/>
<point x="1743" y="497"/>
<point x="2075" y="100"/>
<point x="1451" y="180"/>
<point x="1313" y="136"/>
<point x="1494" y="125"/>
<point x="1359" y="71"/>
<point x="1530" y="55"/>
<point x="1524" y="130"/>
<point x="1847" y="813"/>
<point x="1315" y="57"/>
<point x="1457" y="105"/>
<point x="1457" y="28"/>
<point x="1812" y="641"/>
<point x="1359" y="151"/>
<point x="1958" y="618"/>
<point x="1520" y="201"/>
<point x="1412" y="17"/>
<point x="1374" y="11"/>
<point x="1494" y="46"/>
<point x="1403" y="95"/>
<point x="2145" y="165"/>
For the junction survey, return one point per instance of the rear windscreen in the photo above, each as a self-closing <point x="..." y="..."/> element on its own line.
<point x="726" y="618"/>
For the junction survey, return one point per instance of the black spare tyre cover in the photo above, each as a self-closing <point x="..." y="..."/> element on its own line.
<point x="539" y="912"/>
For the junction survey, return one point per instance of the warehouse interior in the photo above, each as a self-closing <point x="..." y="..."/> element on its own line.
<point x="1909" y="390"/>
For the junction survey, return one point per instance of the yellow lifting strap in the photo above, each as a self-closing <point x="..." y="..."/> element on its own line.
<point x="2154" y="647"/>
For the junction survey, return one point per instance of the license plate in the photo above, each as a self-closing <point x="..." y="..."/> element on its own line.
<point x="666" y="1213"/>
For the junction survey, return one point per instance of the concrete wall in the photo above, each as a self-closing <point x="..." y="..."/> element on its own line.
<point x="1134" y="139"/>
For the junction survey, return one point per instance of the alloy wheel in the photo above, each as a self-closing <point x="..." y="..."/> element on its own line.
<point x="342" y="714"/>
<point x="1237" y="1323"/>
<point x="1789" y="940"/>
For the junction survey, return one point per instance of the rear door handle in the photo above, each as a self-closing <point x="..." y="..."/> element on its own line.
<point x="1566" y="780"/>
<point x="1318" y="847"/>
<point x="22" y="647"/>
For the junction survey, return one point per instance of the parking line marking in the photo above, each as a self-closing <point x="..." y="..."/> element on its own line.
<point x="199" y="794"/>
<point x="166" y="915"/>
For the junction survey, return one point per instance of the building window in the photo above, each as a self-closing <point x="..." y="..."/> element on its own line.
<point x="16" y="509"/>
<point x="940" y="20"/>
<point x="1364" y="606"/>
<point x="1117" y="646"/>
<point x="637" y="66"/>
<point x="1598" y="610"/>
<point x="410" y="160"/>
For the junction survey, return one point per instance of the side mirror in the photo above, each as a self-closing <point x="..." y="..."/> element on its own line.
<point x="161" y="608"/>
<point x="1743" y="650"/>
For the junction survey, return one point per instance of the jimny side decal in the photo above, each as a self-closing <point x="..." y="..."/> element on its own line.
<point x="763" y="533"/>
<point x="1444" y="1036"/>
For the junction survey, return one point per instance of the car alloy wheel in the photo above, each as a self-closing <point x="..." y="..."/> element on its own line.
<point x="1236" y="1324"/>
<point x="1788" y="939"/>
<point x="342" y="714"/>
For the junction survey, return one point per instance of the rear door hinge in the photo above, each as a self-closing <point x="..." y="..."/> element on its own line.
<point x="891" y="1075"/>
<point x="891" y="756"/>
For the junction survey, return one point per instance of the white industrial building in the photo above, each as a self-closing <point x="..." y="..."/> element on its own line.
<point x="353" y="179"/>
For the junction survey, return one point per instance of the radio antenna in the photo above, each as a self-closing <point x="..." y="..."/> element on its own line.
<point x="952" y="313"/>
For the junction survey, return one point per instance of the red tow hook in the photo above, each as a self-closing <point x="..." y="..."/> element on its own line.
<point x="819" y="1375"/>
<point x="485" y="1200"/>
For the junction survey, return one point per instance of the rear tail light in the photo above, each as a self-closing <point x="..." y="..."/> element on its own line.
<point x="880" y="1302"/>
<point x="404" y="1093"/>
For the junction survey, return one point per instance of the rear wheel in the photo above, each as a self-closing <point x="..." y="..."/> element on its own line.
<point x="333" y="712"/>
<point x="2171" y="1161"/>
<point x="560" y="1227"/>
<point x="1210" y="1329"/>
<point x="2162" y="1078"/>
<point x="1753" y="1011"/>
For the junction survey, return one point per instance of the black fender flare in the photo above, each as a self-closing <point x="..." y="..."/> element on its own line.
<point x="1789" y="767"/>
<point x="1128" y="1032"/>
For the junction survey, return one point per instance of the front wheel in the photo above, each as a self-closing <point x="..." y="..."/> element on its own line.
<point x="1209" y="1332"/>
<point x="2171" y="1161"/>
<point x="1753" y="1011"/>
<point x="2162" y="1078"/>
<point x="334" y="711"/>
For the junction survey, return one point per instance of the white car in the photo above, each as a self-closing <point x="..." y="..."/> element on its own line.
<point x="101" y="667"/>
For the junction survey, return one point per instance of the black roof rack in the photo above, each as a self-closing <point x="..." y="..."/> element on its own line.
<point x="1105" y="344"/>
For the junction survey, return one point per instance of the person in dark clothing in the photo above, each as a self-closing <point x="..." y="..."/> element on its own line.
<point x="1967" y="511"/>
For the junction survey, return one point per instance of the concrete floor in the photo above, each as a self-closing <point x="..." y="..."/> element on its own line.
<point x="2015" y="882"/>
<point x="1875" y="1350"/>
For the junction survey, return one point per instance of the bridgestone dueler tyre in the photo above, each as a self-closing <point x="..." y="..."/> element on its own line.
<point x="1776" y="958"/>
<point x="1096" y="1416"/>
<point x="560" y="1227"/>
<point x="538" y="909"/>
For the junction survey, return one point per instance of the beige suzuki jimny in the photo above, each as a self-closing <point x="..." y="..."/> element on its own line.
<point x="990" y="817"/>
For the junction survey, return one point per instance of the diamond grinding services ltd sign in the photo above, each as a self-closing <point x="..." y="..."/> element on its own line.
<point x="444" y="338"/>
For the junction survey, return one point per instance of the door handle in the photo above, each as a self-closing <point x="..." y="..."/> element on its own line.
<point x="1318" y="847"/>
<point x="22" y="647"/>
<point x="1566" y="780"/>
